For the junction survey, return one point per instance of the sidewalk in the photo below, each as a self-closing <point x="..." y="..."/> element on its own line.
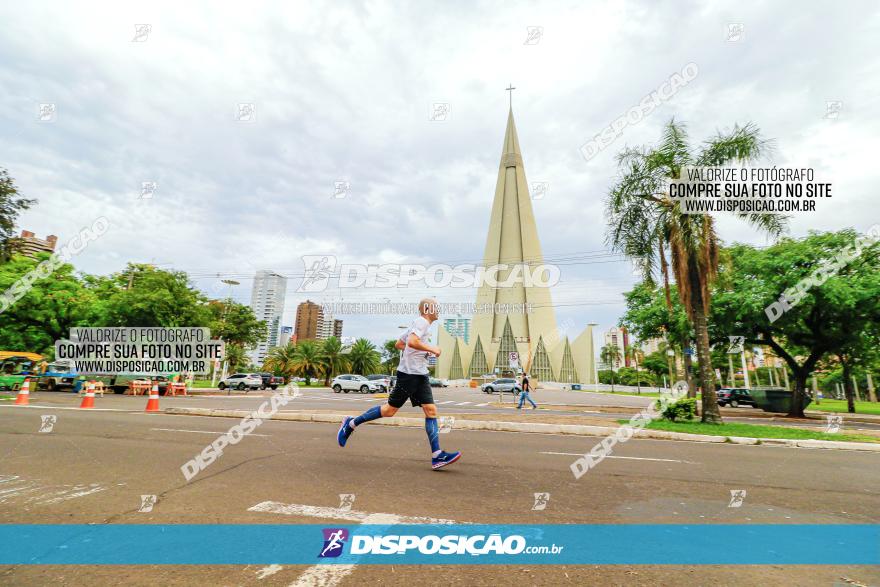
<point x="539" y="424"/>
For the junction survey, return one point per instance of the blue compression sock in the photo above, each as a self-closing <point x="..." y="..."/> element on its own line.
<point x="433" y="431"/>
<point x="373" y="413"/>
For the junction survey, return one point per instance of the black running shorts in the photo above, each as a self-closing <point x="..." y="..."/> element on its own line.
<point x="415" y="388"/>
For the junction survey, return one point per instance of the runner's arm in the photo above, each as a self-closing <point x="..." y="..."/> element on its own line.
<point x="416" y="343"/>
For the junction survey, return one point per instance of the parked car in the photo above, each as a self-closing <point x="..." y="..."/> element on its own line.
<point x="501" y="385"/>
<point x="435" y="382"/>
<point x="383" y="380"/>
<point x="270" y="380"/>
<point x="59" y="375"/>
<point x="242" y="381"/>
<point x="346" y="383"/>
<point x="735" y="397"/>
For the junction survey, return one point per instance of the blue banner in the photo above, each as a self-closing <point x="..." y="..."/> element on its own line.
<point x="570" y="544"/>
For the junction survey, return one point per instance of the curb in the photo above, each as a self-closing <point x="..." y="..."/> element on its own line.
<point x="569" y="429"/>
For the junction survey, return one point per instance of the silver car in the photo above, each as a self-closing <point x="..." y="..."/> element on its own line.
<point x="346" y="383"/>
<point x="242" y="381"/>
<point x="501" y="385"/>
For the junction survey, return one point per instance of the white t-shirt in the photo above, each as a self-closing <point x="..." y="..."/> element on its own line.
<point x="412" y="361"/>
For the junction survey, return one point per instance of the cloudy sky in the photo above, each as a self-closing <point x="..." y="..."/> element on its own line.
<point x="343" y="92"/>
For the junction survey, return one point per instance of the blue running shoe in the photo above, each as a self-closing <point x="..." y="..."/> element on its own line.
<point x="344" y="431"/>
<point x="445" y="458"/>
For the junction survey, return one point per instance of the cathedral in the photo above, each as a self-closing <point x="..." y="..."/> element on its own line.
<point x="531" y="338"/>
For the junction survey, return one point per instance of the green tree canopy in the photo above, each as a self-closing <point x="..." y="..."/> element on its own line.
<point x="827" y="318"/>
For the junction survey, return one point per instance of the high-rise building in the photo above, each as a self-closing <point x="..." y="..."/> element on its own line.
<point x="521" y="329"/>
<point x="267" y="302"/>
<point x="460" y="327"/>
<point x="29" y="245"/>
<point x="326" y="325"/>
<point x="337" y="328"/>
<point x="618" y="337"/>
<point x="308" y="321"/>
<point x="286" y="334"/>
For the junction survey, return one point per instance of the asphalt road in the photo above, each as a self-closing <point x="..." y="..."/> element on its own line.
<point x="94" y="466"/>
<point x="450" y="400"/>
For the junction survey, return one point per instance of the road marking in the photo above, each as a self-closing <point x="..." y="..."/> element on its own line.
<point x="463" y="404"/>
<point x="296" y="509"/>
<point x="447" y="402"/>
<point x="201" y="431"/>
<point x="580" y="454"/>
<point x="482" y="405"/>
<point x="268" y="571"/>
<point x="330" y="575"/>
<point x="48" y="494"/>
<point x="64" y="408"/>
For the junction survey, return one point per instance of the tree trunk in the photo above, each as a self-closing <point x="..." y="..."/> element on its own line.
<point x="800" y="391"/>
<point x="848" y="385"/>
<point x="710" y="411"/>
<point x="688" y="365"/>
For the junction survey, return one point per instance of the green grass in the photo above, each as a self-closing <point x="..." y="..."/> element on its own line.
<point x="632" y="393"/>
<point x="753" y="431"/>
<point x="839" y="405"/>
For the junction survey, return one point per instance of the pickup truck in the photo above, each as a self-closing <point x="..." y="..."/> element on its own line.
<point x="270" y="380"/>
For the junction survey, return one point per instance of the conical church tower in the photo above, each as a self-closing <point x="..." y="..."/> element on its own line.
<point x="503" y="326"/>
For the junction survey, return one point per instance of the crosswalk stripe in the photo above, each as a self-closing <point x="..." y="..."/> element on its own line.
<point x="463" y="404"/>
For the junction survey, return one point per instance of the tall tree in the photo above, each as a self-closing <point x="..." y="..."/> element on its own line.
<point x="235" y="323"/>
<point x="11" y="205"/>
<point x="610" y="354"/>
<point x="333" y="359"/>
<point x="829" y="318"/>
<point x="282" y="359"/>
<point x="390" y="355"/>
<point x="363" y="357"/>
<point x="644" y="222"/>
<point x="48" y="309"/>
<point x="143" y="295"/>
<point x="307" y="360"/>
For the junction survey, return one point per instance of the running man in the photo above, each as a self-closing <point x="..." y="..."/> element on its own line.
<point x="412" y="384"/>
<point x="524" y="395"/>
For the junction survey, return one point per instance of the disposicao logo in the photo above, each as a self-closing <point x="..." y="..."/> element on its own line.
<point x="334" y="540"/>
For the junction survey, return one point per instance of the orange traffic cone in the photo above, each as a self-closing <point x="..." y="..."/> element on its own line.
<point x="89" y="397"/>
<point x="153" y="402"/>
<point x="24" y="393"/>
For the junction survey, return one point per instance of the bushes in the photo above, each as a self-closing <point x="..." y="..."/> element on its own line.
<point x="683" y="409"/>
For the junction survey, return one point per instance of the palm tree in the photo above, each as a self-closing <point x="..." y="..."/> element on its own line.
<point x="634" y="355"/>
<point x="307" y="360"/>
<point x="645" y="223"/>
<point x="333" y="360"/>
<point x="281" y="359"/>
<point x="391" y="354"/>
<point x="363" y="357"/>
<point x="236" y="359"/>
<point x="610" y="354"/>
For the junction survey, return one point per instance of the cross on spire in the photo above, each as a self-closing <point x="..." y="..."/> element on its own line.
<point x="510" y="89"/>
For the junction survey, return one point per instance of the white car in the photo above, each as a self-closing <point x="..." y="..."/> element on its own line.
<point x="242" y="381"/>
<point x="346" y="383"/>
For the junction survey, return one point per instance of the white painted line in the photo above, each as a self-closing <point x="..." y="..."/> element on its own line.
<point x="82" y="493"/>
<point x="296" y="509"/>
<point x="268" y="571"/>
<point x="482" y="405"/>
<point x="580" y="454"/>
<point x="65" y="408"/>
<point x="463" y="404"/>
<point x="331" y="575"/>
<point x="447" y="402"/>
<point x="201" y="431"/>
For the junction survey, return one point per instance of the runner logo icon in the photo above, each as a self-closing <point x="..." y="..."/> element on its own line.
<point x="334" y="541"/>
